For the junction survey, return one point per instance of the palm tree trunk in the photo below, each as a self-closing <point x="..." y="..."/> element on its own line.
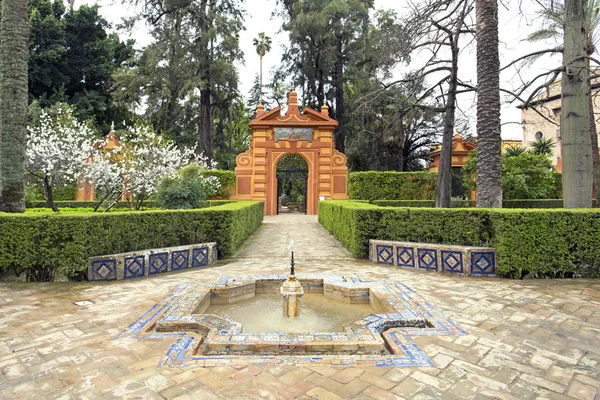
<point x="576" y="144"/>
<point x="260" y="99"/>
<point x="489" y="141"/>
<point x="14" y="56"/>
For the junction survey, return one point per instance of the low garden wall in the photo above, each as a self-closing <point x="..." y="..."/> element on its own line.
<point x="528" y="242"/>
<point x="137" y="264"/>
<point x="42" y="246"/>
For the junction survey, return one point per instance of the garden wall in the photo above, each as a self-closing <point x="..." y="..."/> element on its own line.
<point x="529" y="243"/>
<point x="42" y="246"/>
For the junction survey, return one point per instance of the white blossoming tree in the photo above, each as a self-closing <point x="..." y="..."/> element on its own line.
<point x="57" y="149"/>
<point x="135" y="168"/>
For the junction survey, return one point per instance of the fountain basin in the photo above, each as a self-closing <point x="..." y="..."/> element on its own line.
<point x="220" y="335"/>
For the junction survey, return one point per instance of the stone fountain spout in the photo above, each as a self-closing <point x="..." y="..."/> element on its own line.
<point x="291" y="290"/>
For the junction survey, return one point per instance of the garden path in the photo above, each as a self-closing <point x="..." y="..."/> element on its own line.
<point x="311" y="240"/>
<point x="525" y="339"/>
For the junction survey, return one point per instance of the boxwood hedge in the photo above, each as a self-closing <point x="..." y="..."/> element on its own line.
<point x="529" y="242"/>
<point x="44" y="245"/>
<point x="389" y="185"/>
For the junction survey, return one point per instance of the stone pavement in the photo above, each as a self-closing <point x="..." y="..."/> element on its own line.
<point x="526" y="339"/>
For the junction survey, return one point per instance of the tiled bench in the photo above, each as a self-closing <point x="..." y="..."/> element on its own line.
<point x="136" y="264"/>
<point x="466" y="260"/>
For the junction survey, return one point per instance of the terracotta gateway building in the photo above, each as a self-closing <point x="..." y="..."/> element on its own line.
<point x="288" y="148"/>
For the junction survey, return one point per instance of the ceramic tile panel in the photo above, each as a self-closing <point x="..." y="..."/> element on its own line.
<point x="137" y="264"/>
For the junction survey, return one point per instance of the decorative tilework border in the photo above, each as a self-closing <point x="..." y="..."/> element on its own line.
<point x="181" y="352"/>
<point x="465" y="260"/>
<point x="149" y="262"/>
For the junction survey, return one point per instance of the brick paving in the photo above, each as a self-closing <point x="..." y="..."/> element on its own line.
<point x="536" y="339"/>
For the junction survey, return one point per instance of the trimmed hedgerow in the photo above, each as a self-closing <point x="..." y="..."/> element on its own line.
<point x="389" y="185"/>
<point x="122" y="204"/>
<point x="422" y="203"/>
<point x="529" y="243"/>
<point x="541" y="203"/>
<point x="42" y="246"/>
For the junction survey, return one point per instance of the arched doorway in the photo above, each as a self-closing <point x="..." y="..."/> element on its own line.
<point x="308" y="135"/>
<point x="292" y="184"/>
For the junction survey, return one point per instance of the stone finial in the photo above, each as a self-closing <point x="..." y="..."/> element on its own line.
<point x="293" y="104"/>
<point x="325" y="110"/>
<point x="112" y="126"/>
<point x="260" y="110"/>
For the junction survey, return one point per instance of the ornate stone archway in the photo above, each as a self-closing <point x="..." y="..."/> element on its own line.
<point x="273" y="136"/>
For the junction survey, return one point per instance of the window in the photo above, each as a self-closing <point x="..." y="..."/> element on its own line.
<point x="539" y="135"/>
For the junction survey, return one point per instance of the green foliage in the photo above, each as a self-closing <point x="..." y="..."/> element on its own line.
<point x="543" y="146"/>
<point x="421" y="203"/>
<point x="470" y="171"/>
<point x="69" y="204"/>
<point x="43" y="246"/>
<point x="71" y="59"/>
<point x="524" y="176"/>
<point x="529" y="243"/>
<point x="187" y="75"/>
<point x="226" y="181"/>
<point x="528" y="176"/>
<point x="512" y="151"/>
<point x="387" y="185"/>
<point x="187" y="189"/>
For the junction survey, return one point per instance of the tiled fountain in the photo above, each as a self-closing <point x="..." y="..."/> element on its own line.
<point x="342" y="320"/>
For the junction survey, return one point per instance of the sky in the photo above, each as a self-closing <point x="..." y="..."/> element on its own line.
<point x="517" y="20"/>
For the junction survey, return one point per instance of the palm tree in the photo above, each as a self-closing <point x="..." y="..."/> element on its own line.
<point x="489" y="142"/>
<point x="263" y="46"/>
<point x="555" y="19"/>
<point x="514" y="151"/>
<point x="14" y="55"/>
<point x="543" y="146"/>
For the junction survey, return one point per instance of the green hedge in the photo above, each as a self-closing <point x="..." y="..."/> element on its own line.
<point x="529" y="243"/>
<point x="42" y="246"/>
<point x="119" y="205"/>
<point x="388" y="185"/>
<point x="542" y="203"/>
<point x="422" y="203"/>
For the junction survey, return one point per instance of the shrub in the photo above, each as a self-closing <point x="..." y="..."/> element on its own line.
<point x="388" y="185"/>
<point x="524" y="176"/>
<point x="529" y="243"/>
<point x="226" y="181"/>
<point x="42" y="246"/>
<point x="187" y="189"/>
<point x="528" y="176"/>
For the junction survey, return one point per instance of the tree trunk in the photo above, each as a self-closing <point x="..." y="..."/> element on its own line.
<point x="489" y="141"/>
<point x="575" y="124"/>
<point x="340" y="134"/>
<point x="48" y="194"/>
<point x="401" y="147"/>
<point x="443" y="189"/>
<point x="594" y="137"/>
<point x="260" y="99"/>
<point x="206" y="125"/>
<point x="14" y="56"/>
